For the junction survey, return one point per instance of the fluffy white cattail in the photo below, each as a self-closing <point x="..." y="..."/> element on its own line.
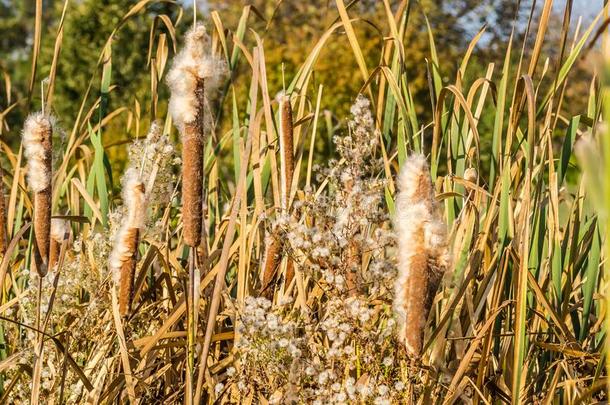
<point x="195" y="72"/>
<point x="60" y="231"/>
<point x="37" y="144"/>
<point x="124" y="253"/>
<point x="422" y="251"/>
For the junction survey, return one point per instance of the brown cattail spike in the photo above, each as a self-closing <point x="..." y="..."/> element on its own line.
<point x="194" y="74"/>
<point x="37" y="142"/>
<point x="271" y="261"/>
<point x="192" y="173"/>
<point x="286" y="148"/>
<point x="123" y="258"/>
<point x="128" y="269"/>
<point x="422" y="252"/>
<point x="287" y="165"/>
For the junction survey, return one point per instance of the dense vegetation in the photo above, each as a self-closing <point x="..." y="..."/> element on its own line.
<point x="290" y="278"/>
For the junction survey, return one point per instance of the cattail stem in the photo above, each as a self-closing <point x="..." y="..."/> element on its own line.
<point x="192" y="172"/>
<point x="3" y="236"/>
<point x="192" y="320"/>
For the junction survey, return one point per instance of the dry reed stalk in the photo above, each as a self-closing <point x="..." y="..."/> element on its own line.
<point x="123" y="258"/>
<point x="3" y="236"/>
<point x="37" y="142"/>
<point x="422" y="252"/>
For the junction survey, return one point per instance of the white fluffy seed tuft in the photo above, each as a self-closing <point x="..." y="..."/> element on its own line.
<point x="192" y="64"/>
<point x="36" y="130"/>
<point x="59" y="229"/>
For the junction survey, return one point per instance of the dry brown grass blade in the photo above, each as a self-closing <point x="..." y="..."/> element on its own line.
<point x="6" y="259"/>
<point x="129" y="378"/>
<point x="35" y="45"/>
<point x="224" y="258"/>
<point x="3" y="235"/>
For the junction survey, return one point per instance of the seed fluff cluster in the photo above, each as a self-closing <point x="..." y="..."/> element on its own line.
<point x="339" y="348"/>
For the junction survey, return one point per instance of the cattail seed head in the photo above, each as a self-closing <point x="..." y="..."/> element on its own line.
<point x="37" y="143"/>
<point x="271" y="262"/>
<point x="286" y="147"/>
<point x="422" y="252"/>
<point x="123" y="258"/>
<point x="194" y="74"/>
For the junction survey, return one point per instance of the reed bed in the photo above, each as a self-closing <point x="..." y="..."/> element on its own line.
<point x="418" y="265"/>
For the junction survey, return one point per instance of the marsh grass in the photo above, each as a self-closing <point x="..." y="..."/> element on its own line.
<point x="518" y="318"/>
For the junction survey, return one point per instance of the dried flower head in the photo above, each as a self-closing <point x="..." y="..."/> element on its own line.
<point x="422" y="251"/>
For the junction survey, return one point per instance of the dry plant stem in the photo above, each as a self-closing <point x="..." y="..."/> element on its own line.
<point x="3" y="240"/>
<point x="129" y="382"/>
<point x="192" y="173"/>
<point x="192" y="325"/>
<point x="38" y="348"/>
<point x="224" y="261"/>
<point x="128" y="270"/>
